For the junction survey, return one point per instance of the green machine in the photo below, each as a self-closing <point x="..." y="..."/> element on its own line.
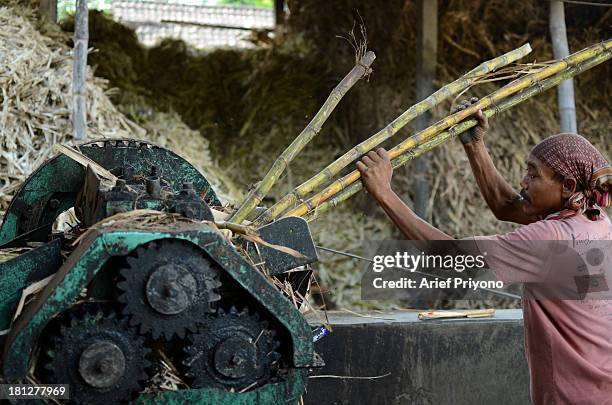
<point x="125" y="298"/>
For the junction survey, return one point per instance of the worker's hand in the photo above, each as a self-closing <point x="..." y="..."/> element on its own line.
<point x="474" y="134"/>
<point x="376" y="173"/>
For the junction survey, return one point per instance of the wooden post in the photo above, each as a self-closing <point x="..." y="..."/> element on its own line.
<point x="48" y="8"/>
<point x="279" y="11"/>
<point x="79" y="71"/>
<point x="427" y="47"/>
<point x="565" y="91"/>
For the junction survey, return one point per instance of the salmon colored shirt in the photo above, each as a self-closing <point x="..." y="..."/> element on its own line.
<point x="568" y="342"/>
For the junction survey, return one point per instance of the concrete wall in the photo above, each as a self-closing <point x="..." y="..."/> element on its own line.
<point x="471" y="362"/>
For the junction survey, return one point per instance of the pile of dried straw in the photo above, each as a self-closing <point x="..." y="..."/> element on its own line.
<point x="35" y="109"/>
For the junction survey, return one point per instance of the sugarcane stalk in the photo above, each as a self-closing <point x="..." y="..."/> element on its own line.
<point x="236" y="228"/>
<point x="423" y="136"/>
<point x="361" y="69"/>
<point x="442" y="137"/>
<point x="357" y="186"/>
<point x="327" y="174"/>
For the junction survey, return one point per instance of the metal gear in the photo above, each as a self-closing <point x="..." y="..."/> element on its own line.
<point x="232" y="350"/>
<point x="97" y="355"/>
<point x="167" y="287"/>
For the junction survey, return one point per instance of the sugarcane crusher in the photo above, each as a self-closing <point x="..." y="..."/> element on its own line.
<point x="123" y="301"/>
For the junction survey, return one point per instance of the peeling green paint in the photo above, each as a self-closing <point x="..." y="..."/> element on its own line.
<point x="287" y="392"/>
<point x="18" y="273"/>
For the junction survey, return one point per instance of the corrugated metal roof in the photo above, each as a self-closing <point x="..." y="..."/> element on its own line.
<point x="199" y="26"/>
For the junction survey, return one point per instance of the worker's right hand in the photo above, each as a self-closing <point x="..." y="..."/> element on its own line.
<point x="476" y="133"/>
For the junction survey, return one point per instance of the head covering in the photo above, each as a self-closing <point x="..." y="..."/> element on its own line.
<point x="571" y="155"/>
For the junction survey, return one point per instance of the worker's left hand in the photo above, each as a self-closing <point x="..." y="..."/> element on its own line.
<point x="376" y="172"/>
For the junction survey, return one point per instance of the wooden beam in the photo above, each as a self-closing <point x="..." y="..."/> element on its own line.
<point x="48" y="9"/>
<point x="79" y="71"/>
<point x="279" y="11"/>
<point x="427" y="49"/>
<point x="565" y="91"/>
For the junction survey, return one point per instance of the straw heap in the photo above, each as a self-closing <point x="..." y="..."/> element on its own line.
<point x="35" y="100"/>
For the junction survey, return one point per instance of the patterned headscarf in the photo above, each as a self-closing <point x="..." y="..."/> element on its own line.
<point x="571" y="155"/>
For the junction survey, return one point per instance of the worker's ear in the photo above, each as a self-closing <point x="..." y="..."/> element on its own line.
<point x="569" y="187"/>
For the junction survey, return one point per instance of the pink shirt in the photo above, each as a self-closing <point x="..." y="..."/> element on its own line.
<point x="568" y="342"/>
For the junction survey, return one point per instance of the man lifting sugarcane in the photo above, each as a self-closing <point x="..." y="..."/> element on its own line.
<point x="565" y="186"/>
<point x="568" y="342"/>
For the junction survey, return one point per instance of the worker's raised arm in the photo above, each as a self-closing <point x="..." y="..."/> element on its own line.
<point x="499" y="195"/>
<point x="376" y="172"/>
<point x="501" y="198"/>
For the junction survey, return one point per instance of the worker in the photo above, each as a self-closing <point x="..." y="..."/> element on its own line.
<point x="568" y="343"/>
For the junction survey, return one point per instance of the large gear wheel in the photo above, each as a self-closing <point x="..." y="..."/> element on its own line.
<point x="97" y="355"/>
<point x="168" y="286"/>
<point x="232" y="350"/>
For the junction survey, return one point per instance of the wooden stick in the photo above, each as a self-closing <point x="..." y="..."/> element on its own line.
<point x="79" y="72"/>
<point x="326" y="175"/>
<point x="428" y="133"/>
<point x="441" y="138"/>
<point x="85" y="161"/>
<point x="361" y="69"/>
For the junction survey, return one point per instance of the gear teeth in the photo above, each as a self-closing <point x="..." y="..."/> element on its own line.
<point x="125" y="312"/>
<point x="154" y="333"/>
<point x="132" y="261"/>
<point x="217" y="328"/>
<point x="74" y="329"/>
<point x="123" y="286"/>
<point x="142" y="327"/>
<point x="141" y="262"/>
<point x="180" y="333"/>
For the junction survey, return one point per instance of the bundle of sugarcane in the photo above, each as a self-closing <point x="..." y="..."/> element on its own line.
<point x="533" y="82"/>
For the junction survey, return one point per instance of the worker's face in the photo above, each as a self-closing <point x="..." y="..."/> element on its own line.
<point x="543" y="193"/>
